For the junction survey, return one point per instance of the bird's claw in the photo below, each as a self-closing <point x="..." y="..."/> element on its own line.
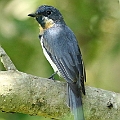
<point x="52" y="76"/>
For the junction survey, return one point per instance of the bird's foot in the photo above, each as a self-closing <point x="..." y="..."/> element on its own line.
<point x="52" y="76"/>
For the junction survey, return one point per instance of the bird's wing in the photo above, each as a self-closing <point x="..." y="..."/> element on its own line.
<point x="62" y="47"/>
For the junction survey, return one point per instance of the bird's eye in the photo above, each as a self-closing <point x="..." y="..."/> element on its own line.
<point x="49" y="12"/>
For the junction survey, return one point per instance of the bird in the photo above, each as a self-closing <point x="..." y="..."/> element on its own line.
<point x="62" y="51"/>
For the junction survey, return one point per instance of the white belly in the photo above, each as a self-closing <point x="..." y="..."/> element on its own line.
<point x="49" y="59"/>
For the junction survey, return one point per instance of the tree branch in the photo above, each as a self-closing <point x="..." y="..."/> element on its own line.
<point x="28" y="94"/>
<point x="6" y="60"/>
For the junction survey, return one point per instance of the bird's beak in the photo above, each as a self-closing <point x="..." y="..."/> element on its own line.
<point x="32" y="15"/>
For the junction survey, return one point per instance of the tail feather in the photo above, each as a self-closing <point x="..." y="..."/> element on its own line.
<point x="75" y="104"/>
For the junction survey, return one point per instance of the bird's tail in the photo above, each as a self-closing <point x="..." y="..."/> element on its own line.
<point x="75" y="104"/>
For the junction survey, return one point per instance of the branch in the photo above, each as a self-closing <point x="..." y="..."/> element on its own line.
<point x="28" y="94"/>
<point x="6" y="60"/>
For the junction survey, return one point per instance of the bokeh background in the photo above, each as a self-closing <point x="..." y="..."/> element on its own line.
<point x="96" y="24"/>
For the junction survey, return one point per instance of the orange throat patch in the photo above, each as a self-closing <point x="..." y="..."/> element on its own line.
<point x="48" y="24"/>
<point x="41" y="30"/>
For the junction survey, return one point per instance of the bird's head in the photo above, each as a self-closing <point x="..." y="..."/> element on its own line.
<point x="47" y="16"/>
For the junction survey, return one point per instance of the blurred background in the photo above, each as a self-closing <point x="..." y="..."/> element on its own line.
<point x="96" y="24"/>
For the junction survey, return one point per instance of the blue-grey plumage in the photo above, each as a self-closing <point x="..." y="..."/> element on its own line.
<point x="62" y="51"/>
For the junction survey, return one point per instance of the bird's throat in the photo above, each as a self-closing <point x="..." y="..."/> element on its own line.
<point x="46" y="23"/>
<point x="41" y="30"/>
<point x="49" y="23"/>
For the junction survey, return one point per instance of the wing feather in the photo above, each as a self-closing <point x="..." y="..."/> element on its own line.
<point x="63" y="50"/>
